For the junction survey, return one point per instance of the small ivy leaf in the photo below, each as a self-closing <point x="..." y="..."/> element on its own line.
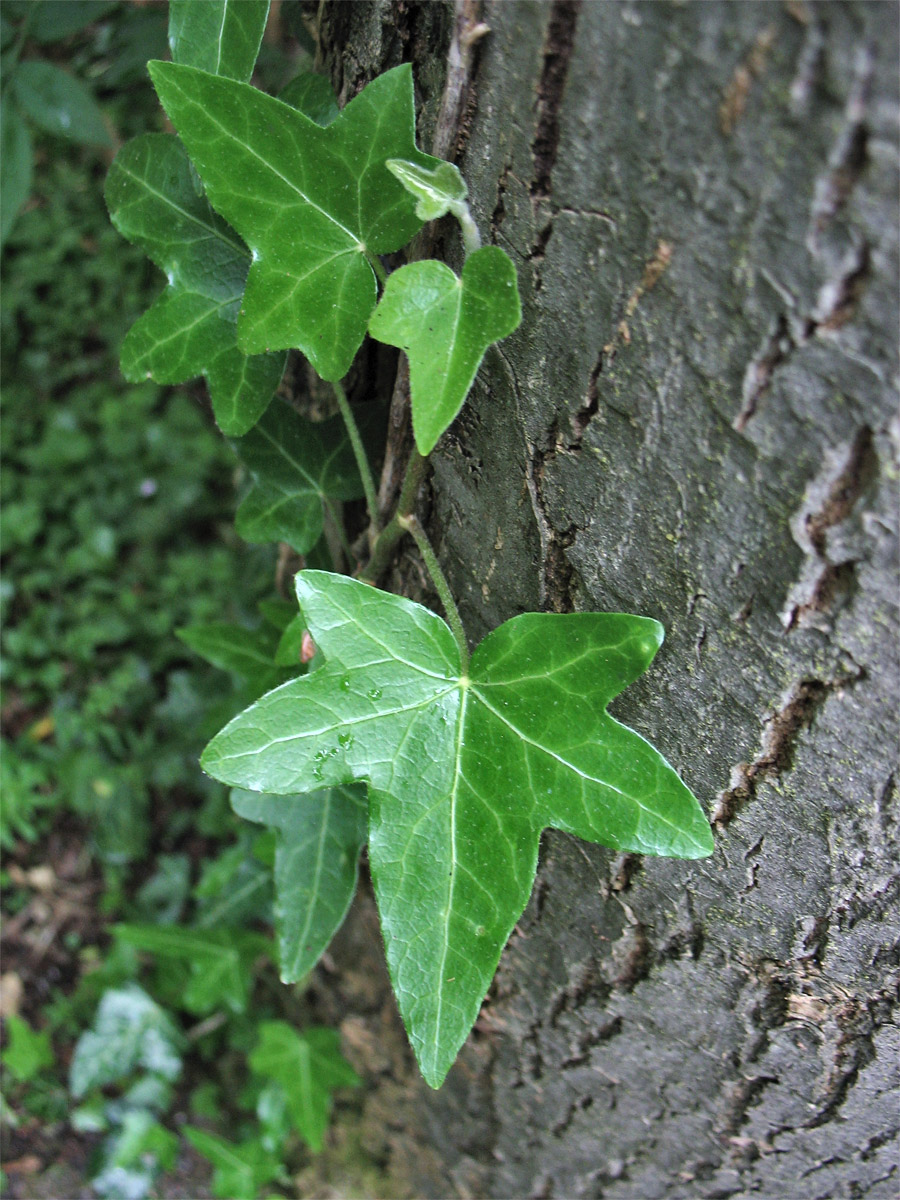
<point x="311" y="203"/>
<point x="219" y="36"/>
<point x="240" y="1169"/>
<point x="59" y="103"/>
<point x="464" y="772"/>
<point x="130" y="1031"/>
<point x="221" y="961"/>
<point x="437" y="191"/>
<point x="445" y="324"/>
<point x="29" y="1050"/>
<point x="191" y="330"/>
<point x="309" y="1066"/>
<point x="297" y="466"/>
<point x="248" y="653"/>
<point x="312" y="95"/>
<point x="320" y="836"/>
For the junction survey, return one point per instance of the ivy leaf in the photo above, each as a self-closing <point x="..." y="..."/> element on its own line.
<point x="464" y="772"/>
<point x="59" y="103"/>
<point x="437" y="191"/>
<point x="155" y="201"/>
<point x="312" y="95"/>
<point x="297" y="466"/>
<point x="320" y="836"/>
<point x="240" y="1168"/>
<point x="249" y="653"/>
<point x="130" y="1030"/>
<point x="15" y="166"/>
<point x="311" y="203"/>
<point x="219" y="36"/>
<point x="221" y="961"/>
<point x="445" y="324"/>
<point x="29" y="1050"/>
<point x="309" y="1066"/>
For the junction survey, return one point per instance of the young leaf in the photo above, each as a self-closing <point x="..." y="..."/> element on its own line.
<point x="240" y="1169"/>
<point x="28" y="1052"/>
<point x="320" y="836"/>
<point x="59" y="103"/>
<point x="311" y="203"/>
<point x="464" y="772"/>
<point x="221" y="961"/>
<point x="437" y="191"/>
<point x="15" y="166"/>
<point x="219" y="36"/>
<point x="130" y="1030"/>
<point x="445" y="324"/>
<point x="309" y="1067"/>
<point x="155" y="201"/>
<point x="297" y="465"/>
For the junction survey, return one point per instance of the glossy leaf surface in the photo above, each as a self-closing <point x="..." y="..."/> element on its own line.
<point x="445" y="324"/>
<point x="59" y="103"/>
<point x="309" y="202"/>
<point x="464" y="772"/>
<point x="438" y="190"/>
<point x="320" y="836"/>
<point x="219" y="36"/>
<point x="155" y="201"/>
<point x="309" y="1067"/>
<point x="297" y="465"/>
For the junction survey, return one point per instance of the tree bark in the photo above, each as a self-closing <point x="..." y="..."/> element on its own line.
<point x="696" y="421"/>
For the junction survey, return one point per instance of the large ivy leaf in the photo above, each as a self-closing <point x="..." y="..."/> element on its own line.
<point x="155" y="201"/>
<point x="219" y="36"/>
<point x="310" y="202"/>
<point x="445" y="324"/>
<point x="309" y="1067"/>
<point x="464" y="771"/>
<point x="297" y="465"/>
<point x="320" y="836"/>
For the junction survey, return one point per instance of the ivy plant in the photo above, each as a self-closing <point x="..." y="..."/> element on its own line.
<point x="277" y="215"/>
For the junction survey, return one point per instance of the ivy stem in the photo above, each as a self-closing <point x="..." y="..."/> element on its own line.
<point x="387" y="540"/>
<point x="413" y="526"/>
<point x="470" y="234"/>
<point x="362" y="462"/>
<point x="375" y="264"/>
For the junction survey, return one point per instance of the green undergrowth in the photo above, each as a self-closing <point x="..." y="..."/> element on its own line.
<point x="159" y="994"/>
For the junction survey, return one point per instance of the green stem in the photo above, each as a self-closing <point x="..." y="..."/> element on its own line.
<point x="439" y="579"/>
<point x="362" y="462"/>
<point x="387" y="540"/>
<point x="338" y="526"/>
<point x="470" y="234"/>
<point x="375" y="264"/>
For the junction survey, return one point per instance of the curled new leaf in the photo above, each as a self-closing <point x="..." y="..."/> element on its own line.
<point x="445" y="324"/>
<point x="464" y="772"/>
<point x="154" y="201"/>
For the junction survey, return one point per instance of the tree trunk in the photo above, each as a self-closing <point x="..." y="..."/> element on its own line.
<point x="694" y="422"/>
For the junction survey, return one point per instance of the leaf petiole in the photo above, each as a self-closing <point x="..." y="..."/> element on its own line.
<point x="375" y="264"/>
<point x="387" y="540"/>
<point x="413" y="526"/>
<point x="359" y="453"/>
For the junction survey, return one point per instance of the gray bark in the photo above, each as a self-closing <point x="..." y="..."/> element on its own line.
<point x="696" y="421"/>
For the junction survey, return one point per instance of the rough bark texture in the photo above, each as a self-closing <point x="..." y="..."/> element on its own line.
<point x="696" y="421"/>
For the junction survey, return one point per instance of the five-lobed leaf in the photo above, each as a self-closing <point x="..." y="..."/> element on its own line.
<point x="219" y="36"/>
<point x="445" y="324"/>
<point x="309" y="1067"/>
<point x="310" y="202"/>
<point x="464" y="772"/>
<point x="320" y="836"/>
<point x="155" y="201"/>
<point x="297" y="466"/>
